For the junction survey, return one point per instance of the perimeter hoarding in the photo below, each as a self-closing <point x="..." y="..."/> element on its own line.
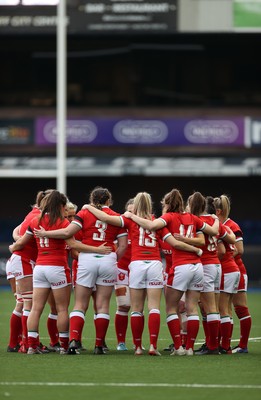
<point x="145" y="132"/>
<point x="255" y="132"/>
<point x="16" y="131"/>
<point x="247" y="15"/>
<point x="92" y="17"/>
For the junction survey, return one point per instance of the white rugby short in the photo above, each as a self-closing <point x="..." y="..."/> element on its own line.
<point x="20" y="267"/>
<point x="8" y="270"/>
<point x="51" y="276"/>
<point x="212" y="278"/>
<point x="146" y="274"/>
<point x="96" y="269"/>
<point x="186" y="277"/>
<point x="122" y="277"/>
<point x="243" y="283"/>
<point x="229" y="282"/>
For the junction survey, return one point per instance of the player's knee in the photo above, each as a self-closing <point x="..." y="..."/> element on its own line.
<point x="122" y="293"/>
<point x="241" y="311"/>
<point x="27" y="296"/>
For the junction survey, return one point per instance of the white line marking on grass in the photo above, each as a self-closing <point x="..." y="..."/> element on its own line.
<point x="137" y="384"/>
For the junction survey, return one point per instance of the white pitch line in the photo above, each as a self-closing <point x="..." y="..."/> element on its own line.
<point x="171" y="385"/>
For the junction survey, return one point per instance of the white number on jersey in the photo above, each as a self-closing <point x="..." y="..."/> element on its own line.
<point x="188" y="233"/>
<point x="149" y="240"/>
<point x="101" y="226"/>
<point x="212" y="245"/>
<point x="44" y="242"/>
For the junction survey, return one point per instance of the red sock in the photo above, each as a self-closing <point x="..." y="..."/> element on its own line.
<point x="205" y="328"/>
<point x="64" y="339"/>
<point x="213" y="329"/>
<point x="121" y="324"/>
<point x="15" y="328"/>
<point x="245" y="327"/>
<point x="174" y="329"/>
<point x="24" y="326"/>
<point x="76" y="324"/>
<point x="245" y="324"/>
<point x="154" y="326"/>
<point x="232" y="328"/>
<point x="101" y="324"/>
<point x="52" y="329"/>
<point x="33" y="339"/>
<point x="225" y="329"/>
<point x="94" y="320"/>
<point x="192" y="331"/>
<point x="137" y="326"/>
<point x="219" y="331"/>
<point x="184" y="338"/>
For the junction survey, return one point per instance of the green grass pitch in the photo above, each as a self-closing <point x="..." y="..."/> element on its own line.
<point x="121" y="375"/>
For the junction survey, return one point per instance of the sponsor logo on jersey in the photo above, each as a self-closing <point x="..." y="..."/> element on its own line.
<point x="198" y="286"/>
<point x="121" y="276"/>
<point x="167" y="251"/>
<point x="109" y="280"/>
<point x="58" y="283"/>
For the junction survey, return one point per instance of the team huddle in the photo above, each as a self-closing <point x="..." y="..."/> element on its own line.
<point x="203" y="272"/>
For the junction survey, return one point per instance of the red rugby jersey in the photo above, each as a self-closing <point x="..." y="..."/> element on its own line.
<point x="50" y="251"/>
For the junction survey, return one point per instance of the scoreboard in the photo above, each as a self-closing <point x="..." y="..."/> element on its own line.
<point x="89" y="16"/>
